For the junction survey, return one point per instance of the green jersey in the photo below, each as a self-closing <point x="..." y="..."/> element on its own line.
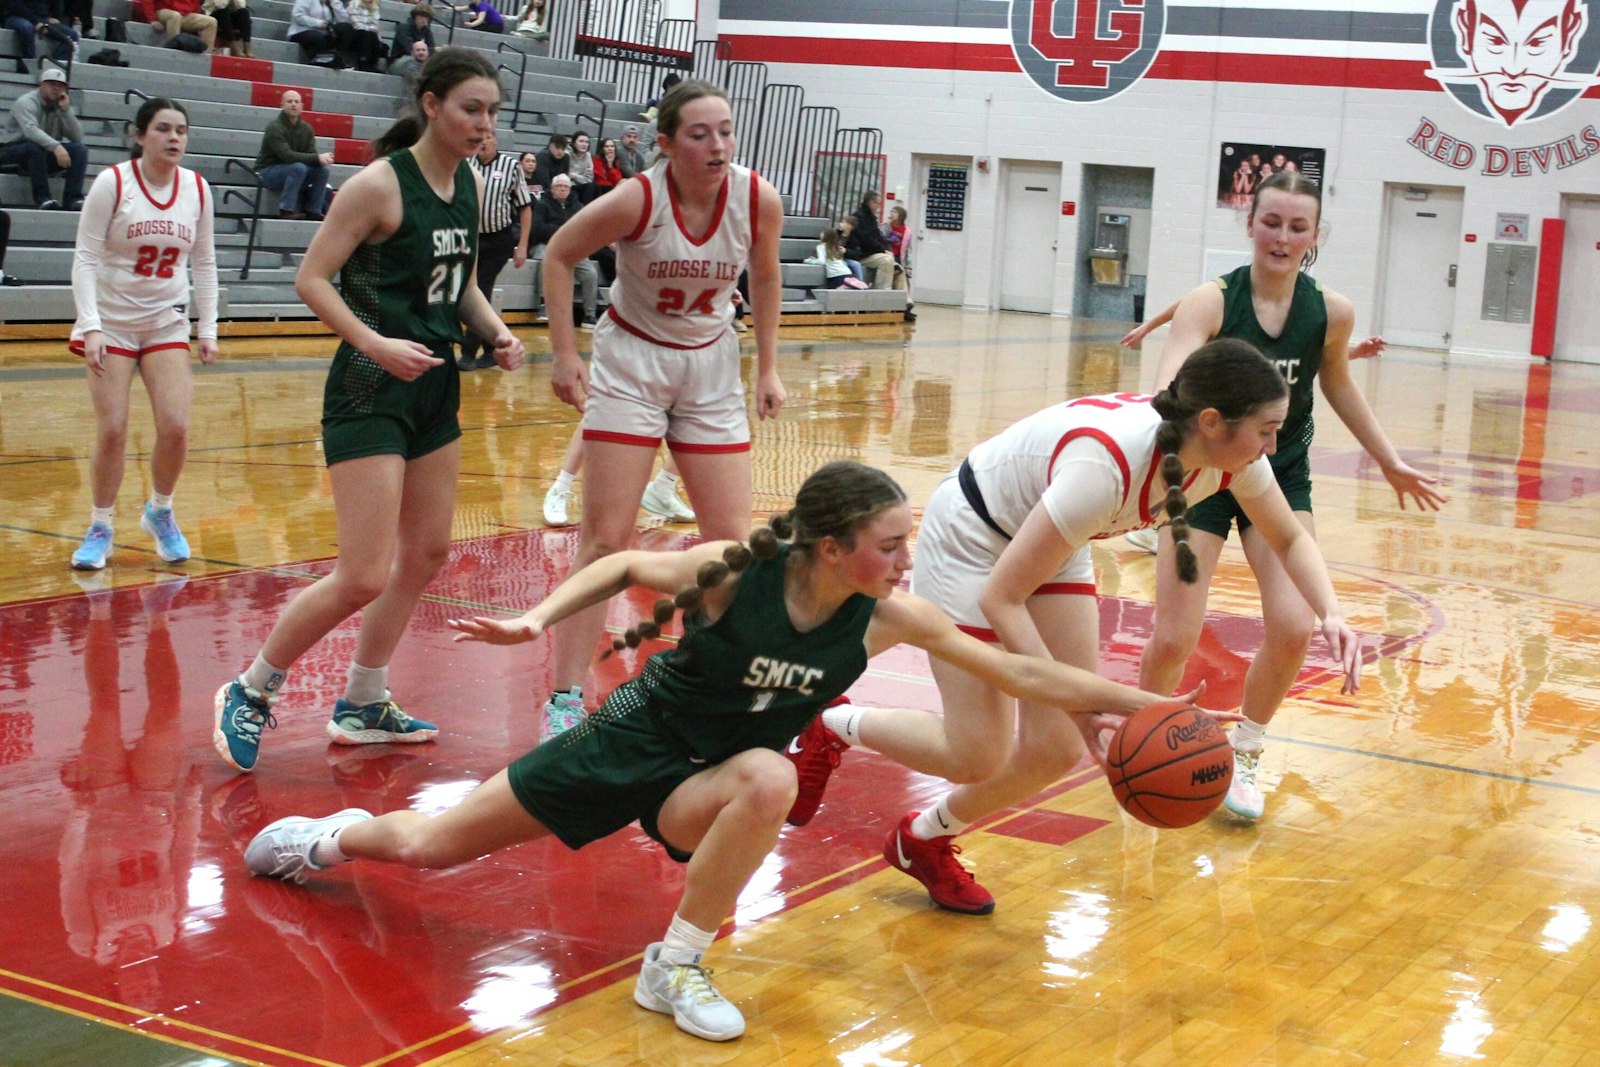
<point x="1297" y="352"/>
<point x="409" y="286"/>
<point x="750" y="679"/>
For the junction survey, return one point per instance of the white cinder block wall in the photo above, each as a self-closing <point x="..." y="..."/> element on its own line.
<point x="1175" y="127"/>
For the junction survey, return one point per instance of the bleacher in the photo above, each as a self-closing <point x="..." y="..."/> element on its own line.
<point x="231" y="100"/>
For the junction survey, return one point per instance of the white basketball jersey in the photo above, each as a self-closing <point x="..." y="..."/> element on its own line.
<point x="144" y="268"/>
<point x="1094" y="464"/>
<point x="673" y="287"/>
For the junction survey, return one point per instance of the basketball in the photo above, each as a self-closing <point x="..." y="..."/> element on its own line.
<point x="1169" y="765"/>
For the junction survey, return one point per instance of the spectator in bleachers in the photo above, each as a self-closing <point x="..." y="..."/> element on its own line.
<point x="485" y="17"/>
<point x="830" y="254"/>
<point x="505" y="222"/>
<point x="550" y="161"/>
<point x="607" y="167"/>
<point x="534" y="22"/>
<point x="321" y="27"/>
<point x="409" y="69"/>
<point x="633" y="160"/>
<point x="867" y="245"/>
<point x="290" y="165"/>
<point x="42" y="136"/>
<point x="183" y="16"/>
<point x="419" y="27"/>
<point x="365" y="44"/>
<point x="654" y="104"/>
<point x="529" y="162"/>
<point x="32" y="19"/>
<point x="5" y="239"/>
<point x="549" y="215"/>
<point x="235" y="27"/>
<point x="580" y="167"/>
<point x="79" y="16"/>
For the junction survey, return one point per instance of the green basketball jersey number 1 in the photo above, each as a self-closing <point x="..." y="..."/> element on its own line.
<point x="410" y="285"/>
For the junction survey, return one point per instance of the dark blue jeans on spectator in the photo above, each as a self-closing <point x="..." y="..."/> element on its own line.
<point x="289" y="179"/>
<point x="62" y="36"/>
<point x="40" y="163"/>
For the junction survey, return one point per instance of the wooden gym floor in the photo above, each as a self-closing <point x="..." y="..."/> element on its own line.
<point x="1423" y="889"/>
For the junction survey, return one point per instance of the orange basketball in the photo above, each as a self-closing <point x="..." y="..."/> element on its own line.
<point x="1170" y="765"/>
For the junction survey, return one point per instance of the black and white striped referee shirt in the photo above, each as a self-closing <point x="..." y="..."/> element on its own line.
<point x="504" y="195"/>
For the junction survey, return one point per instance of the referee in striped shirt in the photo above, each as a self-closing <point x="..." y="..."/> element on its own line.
<point x="503" y="228"/>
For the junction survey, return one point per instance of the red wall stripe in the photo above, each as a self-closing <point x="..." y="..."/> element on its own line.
<point x="1547" y="287"/>
<point x="1168" y="66"/>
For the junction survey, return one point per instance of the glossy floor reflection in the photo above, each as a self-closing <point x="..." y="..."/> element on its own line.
<point x="1422" y="889"/>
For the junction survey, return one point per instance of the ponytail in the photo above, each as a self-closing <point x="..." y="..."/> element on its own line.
<point x="1226" y="374"/>
<point x="1169" y="438"/>
<point x="735" y="560"/>
<point x="837" y="501"/>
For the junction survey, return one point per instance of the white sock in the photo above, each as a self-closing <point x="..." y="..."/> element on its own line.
<point x="366" y="685"/>
<point x="1249" y="736"/>
<point x="685" y="942"/>
<point x="160" y="502"/>
<point x="666" y="482"/>
<point x="104" y="516"/>
<point x="937" y="822"/>
<point x="564" y="481"/>
<point x="326" y="852"/>
<point x="263" y="677"/>
<point x="845" y="720"/>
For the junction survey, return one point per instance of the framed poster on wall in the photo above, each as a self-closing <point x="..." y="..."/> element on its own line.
<point x="1243" y="166"/>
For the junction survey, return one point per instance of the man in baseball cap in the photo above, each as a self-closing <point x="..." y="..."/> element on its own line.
<point x="628" y="154"/>
<point x="42" y="136"/>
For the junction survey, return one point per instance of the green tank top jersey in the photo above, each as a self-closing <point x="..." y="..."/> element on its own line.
<point x="410" y="285"/>
<point x="1297" y="352"/>
<point x="750" y="679"/>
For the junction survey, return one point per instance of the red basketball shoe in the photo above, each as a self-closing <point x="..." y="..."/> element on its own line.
<point x="815" y="754"/>
<point x="934" y="864"/>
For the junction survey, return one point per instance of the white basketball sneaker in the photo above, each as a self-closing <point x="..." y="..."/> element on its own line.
<point x="684" y="991"/>
<point x="1244" y="792"/>
<point x="555" y="507"/>
<point x="1144" y="540"/>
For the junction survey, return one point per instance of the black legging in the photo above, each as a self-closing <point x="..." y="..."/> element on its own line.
<point x="494" y="251"/>
<point x="233" y="25"/>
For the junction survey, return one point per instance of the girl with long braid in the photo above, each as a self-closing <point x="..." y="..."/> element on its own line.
<point x="1004" y="551"/>
<point x="1305" y="330"/>
<point x="691" y="747"/>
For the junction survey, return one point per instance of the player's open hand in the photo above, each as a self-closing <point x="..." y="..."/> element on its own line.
<point x="94" y="352"/>
<point x="1346" y="648"/>
<point x="569" y="380"/>
<point x="496" y="631"/>
<point x="1368" y="349"/>
<point x="1407" y="481"/>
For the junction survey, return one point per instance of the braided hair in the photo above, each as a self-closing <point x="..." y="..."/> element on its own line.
<point x="837" y="501"/>
<point x="1229" y="375"/>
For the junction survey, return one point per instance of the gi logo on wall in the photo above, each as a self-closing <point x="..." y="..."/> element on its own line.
<point x="1514" y="61"/>
<point x="1086" y="50"/>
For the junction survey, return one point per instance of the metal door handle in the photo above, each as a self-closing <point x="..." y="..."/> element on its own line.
<point x="1450" y="280"/>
